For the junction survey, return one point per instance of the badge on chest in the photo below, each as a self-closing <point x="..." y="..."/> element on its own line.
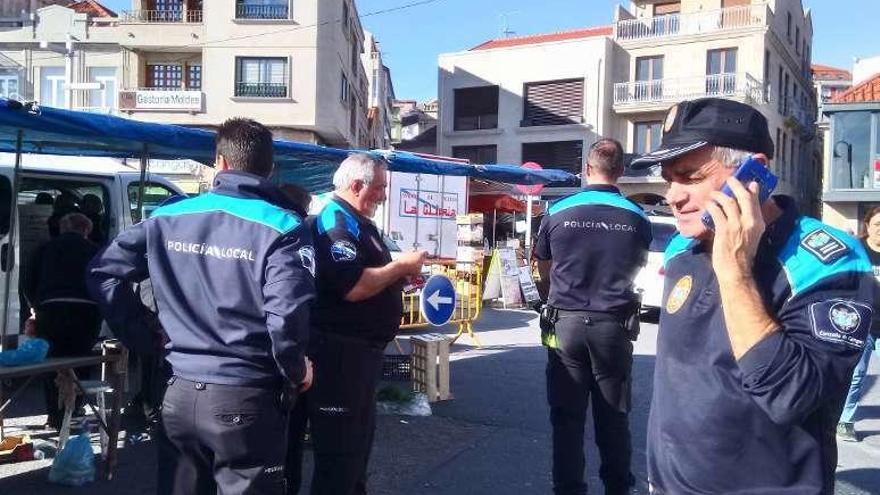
<point x="679" y="294"/>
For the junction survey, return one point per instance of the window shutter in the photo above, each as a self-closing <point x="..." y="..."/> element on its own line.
<point x="668" y="8"/>
<point x="554" y="103"/>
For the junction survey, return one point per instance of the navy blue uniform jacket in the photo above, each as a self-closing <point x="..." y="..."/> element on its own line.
<point x="765" y="423"/>
<point x="597" y="240"/>
<point x="346" y="243"/>
<point x="232" y="274"/>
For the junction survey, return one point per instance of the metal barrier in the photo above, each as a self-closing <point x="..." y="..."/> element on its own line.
<point x="468" y="284"/>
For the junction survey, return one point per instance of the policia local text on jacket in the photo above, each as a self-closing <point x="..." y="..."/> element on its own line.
<point x="232" y="273"/>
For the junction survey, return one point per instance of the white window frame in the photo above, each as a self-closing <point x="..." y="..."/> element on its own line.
<point x="54" y="95"/>
<point x="5" y="80"/>
<point x="108" y="99"/>
<point x="287" y="78"/>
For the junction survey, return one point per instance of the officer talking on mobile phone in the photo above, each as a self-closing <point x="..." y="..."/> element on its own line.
<point x="763" y="318"/>
<point x="590" y="246"/>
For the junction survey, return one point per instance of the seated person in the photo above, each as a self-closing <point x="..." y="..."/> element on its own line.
<point x="44" y="198"/>
<point x="54" y="286"/>
<point x="65" y="203"/>
<point x="92" y="207"/>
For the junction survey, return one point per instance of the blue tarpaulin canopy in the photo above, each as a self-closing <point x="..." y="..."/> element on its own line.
<point x="54" y="131"/>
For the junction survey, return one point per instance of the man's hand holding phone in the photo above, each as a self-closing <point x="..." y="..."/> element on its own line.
<point x="739" y="224"/>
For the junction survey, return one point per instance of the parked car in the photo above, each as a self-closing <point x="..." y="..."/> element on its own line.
<point x="649" y="280"/>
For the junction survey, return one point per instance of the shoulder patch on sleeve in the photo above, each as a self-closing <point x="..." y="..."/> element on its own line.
<point x="815" y="252"/>
<point x="841" y="321"/>
<point x="343" y="251"/>
<point x="824" y="245"/>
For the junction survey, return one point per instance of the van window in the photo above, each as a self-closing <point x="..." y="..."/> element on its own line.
<point x="154" y="195"/>
<point x="5" y="204"/>
<point x="43" y="201"/>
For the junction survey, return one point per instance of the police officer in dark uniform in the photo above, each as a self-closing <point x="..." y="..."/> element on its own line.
<point x="591" y="246"/>
<point x="357" y="312"/>
<point x="762" y="322"/>
<point x="232" y="274"/>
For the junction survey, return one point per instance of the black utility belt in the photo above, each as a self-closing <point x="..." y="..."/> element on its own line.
<point x="594" y="315"/>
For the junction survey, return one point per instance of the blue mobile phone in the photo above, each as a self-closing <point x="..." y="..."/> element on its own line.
<point x="752" y="170"/>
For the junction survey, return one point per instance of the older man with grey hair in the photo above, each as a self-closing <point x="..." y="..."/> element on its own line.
<point x="765" y="314"/>
<point x="357" y="312"/>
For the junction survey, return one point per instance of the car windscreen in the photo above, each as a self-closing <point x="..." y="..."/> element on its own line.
<point x="662" y="232"/>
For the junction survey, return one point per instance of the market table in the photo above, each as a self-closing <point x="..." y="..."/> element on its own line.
<point x="113" y="364"/>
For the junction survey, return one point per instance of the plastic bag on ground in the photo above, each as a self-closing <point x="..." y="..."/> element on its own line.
<point x="31" y="351"/>
<point x="417" y="405"/>
<point x="75" y="464"/>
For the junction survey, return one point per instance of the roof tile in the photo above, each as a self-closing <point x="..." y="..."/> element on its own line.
<point x="91" y="8"/>
<point x="828" y="73"/>
<point x="546" y="38"/>
<point x="866" y="92"/>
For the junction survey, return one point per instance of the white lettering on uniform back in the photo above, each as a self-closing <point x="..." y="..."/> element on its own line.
<point x="219" y="252"/>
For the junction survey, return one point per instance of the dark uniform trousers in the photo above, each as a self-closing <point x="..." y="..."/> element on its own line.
<point x="229" y="433"/>
<point x="594" y="360"/>
<point x="341" y="410"/>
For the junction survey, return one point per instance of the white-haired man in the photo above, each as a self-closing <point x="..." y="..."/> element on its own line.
<point x="762" y="322"/>
<point x="357" y="312"/>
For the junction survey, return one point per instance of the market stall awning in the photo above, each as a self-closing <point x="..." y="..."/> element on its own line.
<point x="502" y="203"/>
<point x="54" y="131"/>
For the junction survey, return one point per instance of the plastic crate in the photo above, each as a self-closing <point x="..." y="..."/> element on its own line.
<point x="397" y="367"/>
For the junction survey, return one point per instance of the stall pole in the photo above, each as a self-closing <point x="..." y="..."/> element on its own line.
<point x="529" y="200"/>
<point x="140" y="203"/>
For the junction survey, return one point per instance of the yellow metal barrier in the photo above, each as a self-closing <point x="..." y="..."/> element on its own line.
<point x="469" y="299"/>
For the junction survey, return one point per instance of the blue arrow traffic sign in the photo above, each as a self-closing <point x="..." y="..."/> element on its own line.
<point x="438" y="300"/>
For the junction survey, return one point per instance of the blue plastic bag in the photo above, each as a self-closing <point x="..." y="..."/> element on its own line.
<point x="75" y="464"/>
<point x="31" y="351"/>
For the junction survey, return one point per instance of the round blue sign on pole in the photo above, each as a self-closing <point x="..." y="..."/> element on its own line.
<point x="438" y="300"/>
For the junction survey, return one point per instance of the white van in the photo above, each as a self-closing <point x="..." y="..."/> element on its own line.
<point x="42" y="180"/>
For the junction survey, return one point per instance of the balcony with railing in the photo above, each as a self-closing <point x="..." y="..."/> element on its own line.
<point x="260" y="90"/>
<point x="161" y="16"/>
<point x="637" y="96"/>
<point x="797" y="113"/>
<point x="696" y="23"/>
<point x="261" y="12"/>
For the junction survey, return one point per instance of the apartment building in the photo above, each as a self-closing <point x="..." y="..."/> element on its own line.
<point x="381" y="97"/>
<point x="656" y="53"/>
<point x="295" y="66"/>
<point x="753" y="51"/>
<point x="530" y="98"/>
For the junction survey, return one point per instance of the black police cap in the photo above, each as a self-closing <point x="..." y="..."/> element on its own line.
<point x="691" y="125"/>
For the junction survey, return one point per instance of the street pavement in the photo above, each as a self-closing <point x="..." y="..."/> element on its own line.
<point x="493" y="437"/>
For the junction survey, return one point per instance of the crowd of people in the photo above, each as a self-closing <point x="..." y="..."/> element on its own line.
<point x="259" y="320"/>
